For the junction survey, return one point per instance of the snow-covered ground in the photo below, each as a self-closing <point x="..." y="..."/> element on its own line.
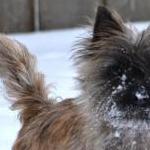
<point x="53" y="50"/>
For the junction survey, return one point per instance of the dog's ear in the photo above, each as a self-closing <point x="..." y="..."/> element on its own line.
<point x="107" y="24"/>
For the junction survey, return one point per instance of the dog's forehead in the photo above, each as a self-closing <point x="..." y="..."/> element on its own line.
<point x="136" y="37"/>
<point x="132" y="42"/>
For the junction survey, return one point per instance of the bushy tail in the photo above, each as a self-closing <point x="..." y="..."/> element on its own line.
<point x="24" y="85"/>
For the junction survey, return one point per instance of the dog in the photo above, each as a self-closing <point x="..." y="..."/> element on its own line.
<point x="113" y="110"/>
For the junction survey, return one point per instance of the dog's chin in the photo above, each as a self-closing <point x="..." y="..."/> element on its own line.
<point x="131" y="118"/>
<point x="126" y="130"/>
<point x="127" y="135"/>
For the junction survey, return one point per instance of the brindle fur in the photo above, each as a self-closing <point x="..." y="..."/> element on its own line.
<point x="102" y="117"/>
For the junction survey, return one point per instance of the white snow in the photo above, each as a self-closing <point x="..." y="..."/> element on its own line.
<point x="53" y="50"/>
<point x="118" y="89"/>
<point x="121" y="86"/>
<point x="123" y="78"/>
<point x="141" y="93"/>
<point x="141" y="96"/>
<point x="117" y="134"/>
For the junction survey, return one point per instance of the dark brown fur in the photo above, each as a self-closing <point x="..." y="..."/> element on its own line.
<point x="113" y="69"/>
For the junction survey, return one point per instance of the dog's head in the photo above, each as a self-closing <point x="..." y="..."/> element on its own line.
<point x="115" y="78"/>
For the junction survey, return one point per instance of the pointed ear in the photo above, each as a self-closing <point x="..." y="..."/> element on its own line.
<point x="107" y="24"/>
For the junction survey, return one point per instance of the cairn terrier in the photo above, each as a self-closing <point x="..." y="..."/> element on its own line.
<point x="113" y="110"/>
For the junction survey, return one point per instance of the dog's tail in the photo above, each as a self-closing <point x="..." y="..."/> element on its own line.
<point x="24" y="85"/>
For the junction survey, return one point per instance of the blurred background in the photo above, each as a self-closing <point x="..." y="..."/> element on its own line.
<point x="34" y="15"/>
<point x="49" y="29"/>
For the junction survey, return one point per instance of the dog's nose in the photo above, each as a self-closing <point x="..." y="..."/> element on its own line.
<point x="142" y="97"/>
<point x="138" y="97"/>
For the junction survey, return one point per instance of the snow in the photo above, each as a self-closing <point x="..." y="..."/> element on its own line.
<point x="142" y="94"/>
<point x="118" y="89"/>
<point x="121" y="86"/>
<point x="117" y="134"/>
<point x="53" y="50"/>
<point x="123" y="78"/>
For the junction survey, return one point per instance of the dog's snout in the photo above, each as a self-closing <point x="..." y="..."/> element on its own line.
<point x="135" y="96"/>
<point x="141" y="97"/>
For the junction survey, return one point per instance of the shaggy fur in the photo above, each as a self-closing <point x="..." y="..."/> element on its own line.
<point x="112" y="112"/>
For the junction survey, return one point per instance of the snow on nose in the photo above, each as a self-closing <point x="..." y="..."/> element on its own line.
<point x="142" y="95"/>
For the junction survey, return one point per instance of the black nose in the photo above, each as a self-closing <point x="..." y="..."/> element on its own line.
<point x="138" y="97"/>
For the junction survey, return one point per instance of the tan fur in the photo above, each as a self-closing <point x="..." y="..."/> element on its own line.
<point x="45" y="125"/>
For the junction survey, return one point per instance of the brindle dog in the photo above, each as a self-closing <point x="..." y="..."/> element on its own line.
<point x="113" y="110"/>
